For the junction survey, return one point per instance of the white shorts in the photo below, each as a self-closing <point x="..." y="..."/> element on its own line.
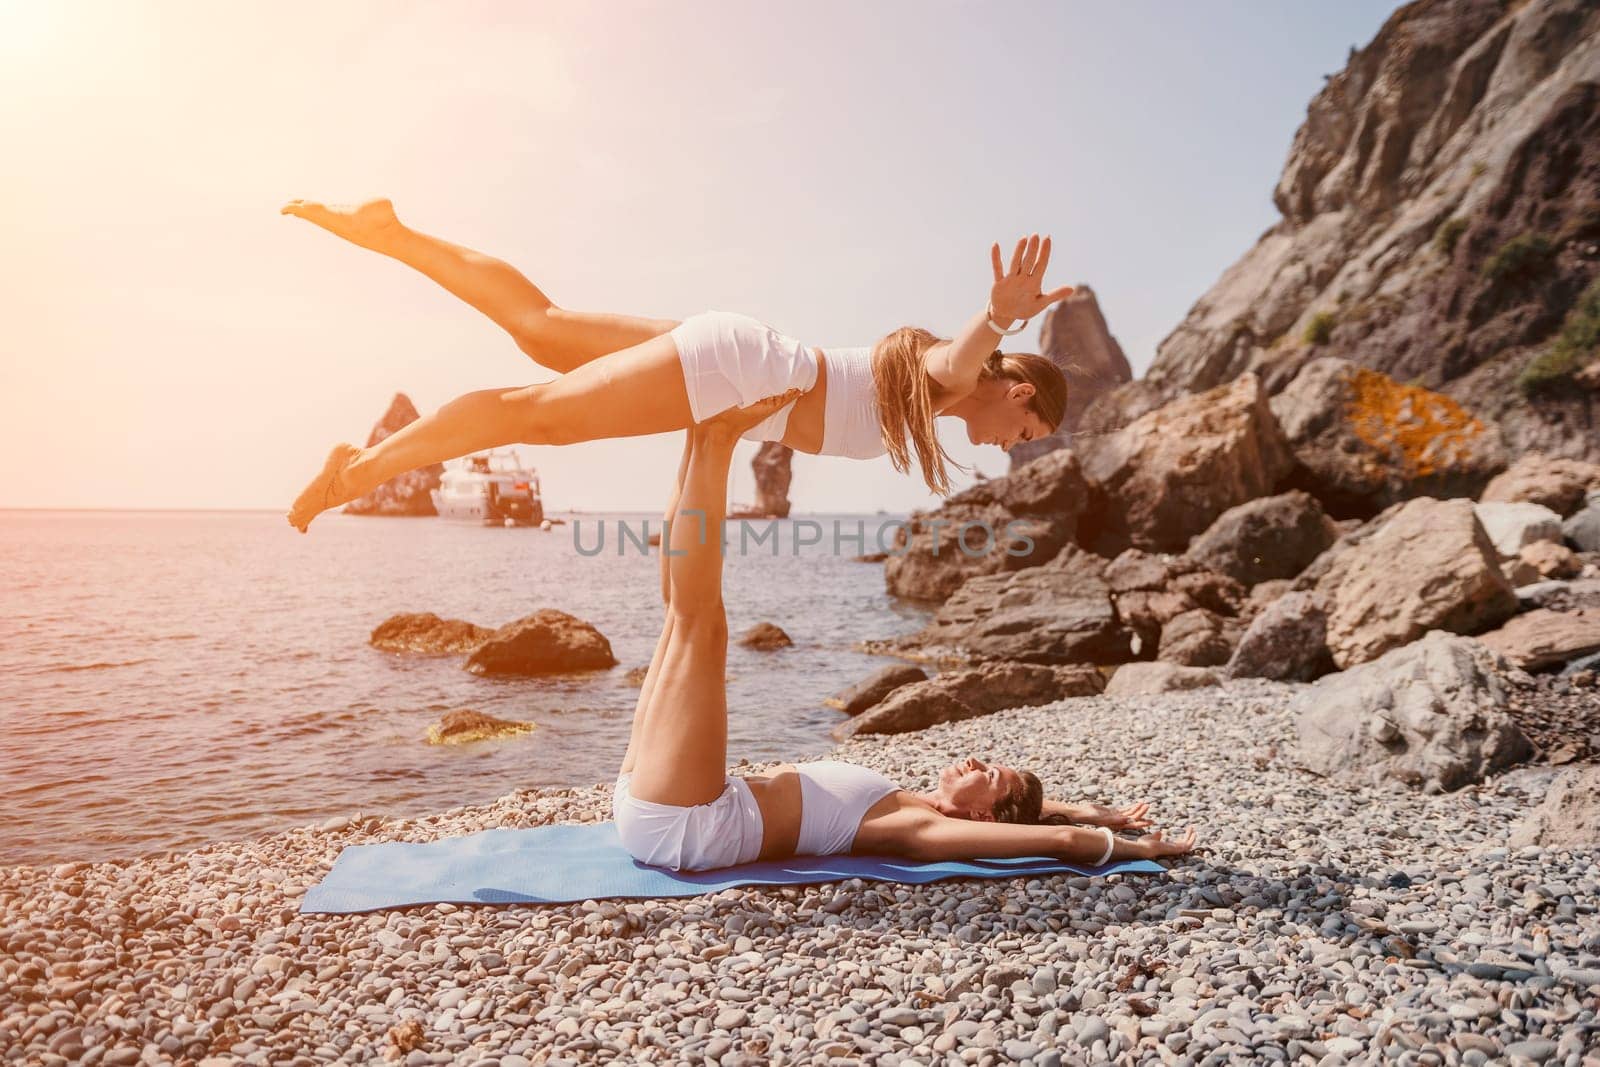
<point x="730" y="361"/>
<point x="723" y="833"/>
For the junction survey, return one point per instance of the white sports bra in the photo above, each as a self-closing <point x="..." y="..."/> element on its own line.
<point x="850" y="411"/>
<point x="833" y="798"/>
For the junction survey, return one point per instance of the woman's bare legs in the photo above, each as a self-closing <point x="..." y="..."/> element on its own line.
<point x="679" y="752"/>
<point x="654" y="670"/>
<point x="552" y="336"/>
<point x="637" y="391"/>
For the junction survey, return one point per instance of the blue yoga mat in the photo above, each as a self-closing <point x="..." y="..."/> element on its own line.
<point x="568" y="863"/>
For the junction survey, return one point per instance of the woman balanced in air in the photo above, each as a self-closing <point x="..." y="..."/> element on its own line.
<point x="623" y="376"/>
<point x="676" y="805"/>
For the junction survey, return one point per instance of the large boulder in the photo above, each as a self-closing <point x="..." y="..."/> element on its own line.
<point x="1287" y="641"/>
<point x="423" y="631"/>
<point x="1150" y="590"/>
<point x="1582" y="527"/>
<point x="1428" y="567"/>
<point x="1169" y="474"/>
<point x="1512" y="526"/>
<point x="408" y="494"/>
<point x="1556" y="483"/>
<point x="546" y="642"/>
<point x="995" y="527"/>
<point x="1430" y="715"/>
<point x="1058" y="613"/>
<point x="1273" y="537"/>
<point x="967" y="694"/>
<point x="1543" y="638"/>
<point x="1569" y="815"/>
<point x="1198" y="638"/>
<point x="1363" y="441"/>
<point x="1075" y="338"/>
<point x="1543" y="560"/>
<point x="872" y="689"/>
<point x="1148" y="679"/>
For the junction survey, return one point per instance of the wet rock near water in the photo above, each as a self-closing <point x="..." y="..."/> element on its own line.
<point x="546" y="642"/>
<point x="1429" y="715"/>
<point x="873" y="688"/>
<point x="427" y="633"/>
<point x="466" y="726"/>
<point x="765" y="637"/>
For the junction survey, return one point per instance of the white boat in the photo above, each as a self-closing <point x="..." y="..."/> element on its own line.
<point x="492" y="489"/>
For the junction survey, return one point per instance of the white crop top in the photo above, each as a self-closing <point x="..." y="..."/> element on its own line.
<point x="850" y="412"/>
<point x="833" y="798"/>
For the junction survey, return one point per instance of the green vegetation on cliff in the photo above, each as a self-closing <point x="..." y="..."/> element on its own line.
<point x="1576" y="344"/>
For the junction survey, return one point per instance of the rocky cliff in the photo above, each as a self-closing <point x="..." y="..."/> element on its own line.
<point x="408" y="494"/>
<point x="1440" y="223"/>
<point x="1075" y="338"/>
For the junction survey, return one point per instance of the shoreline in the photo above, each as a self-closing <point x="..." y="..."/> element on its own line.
<point x="1324" y="921"/>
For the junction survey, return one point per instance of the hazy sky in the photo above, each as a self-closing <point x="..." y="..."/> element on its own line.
<point x="835" y="168"/>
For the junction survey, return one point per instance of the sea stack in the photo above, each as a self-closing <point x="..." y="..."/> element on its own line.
<point x="408" y="494"/>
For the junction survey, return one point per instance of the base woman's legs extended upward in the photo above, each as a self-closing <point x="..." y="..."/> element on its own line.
<point x="552" y="336"/>
<point x="678" y="753"/>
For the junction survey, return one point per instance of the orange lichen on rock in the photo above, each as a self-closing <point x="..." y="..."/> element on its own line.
<point x="1414" y="427"/>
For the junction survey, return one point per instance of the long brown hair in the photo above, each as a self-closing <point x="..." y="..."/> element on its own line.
<point x="905" y="399"/>
<point x="1025" y="805"/>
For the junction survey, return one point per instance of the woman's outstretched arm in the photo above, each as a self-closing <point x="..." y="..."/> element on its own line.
<point x="931" y="837"/>
<point x="1132" y="817"/>
<point x="1016" y="294"/>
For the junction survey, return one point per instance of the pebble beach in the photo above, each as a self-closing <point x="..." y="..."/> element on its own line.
<point x="1322" y="923"/>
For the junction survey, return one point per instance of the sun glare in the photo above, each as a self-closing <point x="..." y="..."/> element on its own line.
<point x="28" y="29"/>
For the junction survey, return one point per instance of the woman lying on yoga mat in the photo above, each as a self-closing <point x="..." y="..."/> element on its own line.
<point x="624" y="376"/>
<point x="676" y="805"/>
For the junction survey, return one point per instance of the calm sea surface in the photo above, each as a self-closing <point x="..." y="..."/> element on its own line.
<point x="173" y="678"/>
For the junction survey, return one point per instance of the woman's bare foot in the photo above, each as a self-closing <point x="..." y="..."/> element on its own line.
<point x="730" y="424"/>
<point x="327" y="489"/>
<point x="371" y="224"/>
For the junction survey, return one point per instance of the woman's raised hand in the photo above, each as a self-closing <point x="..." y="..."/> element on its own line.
<point x="1018" y="291"/>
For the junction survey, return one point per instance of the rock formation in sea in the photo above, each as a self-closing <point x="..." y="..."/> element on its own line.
<point x="1440" y="223"/>
<point x="1075" y="338"/>
<point x="773" y="475"/>
<point x="408" y="494"/>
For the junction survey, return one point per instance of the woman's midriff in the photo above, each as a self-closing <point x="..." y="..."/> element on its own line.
<point x="804" y="432"/>
<point x="777" y="794"/>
